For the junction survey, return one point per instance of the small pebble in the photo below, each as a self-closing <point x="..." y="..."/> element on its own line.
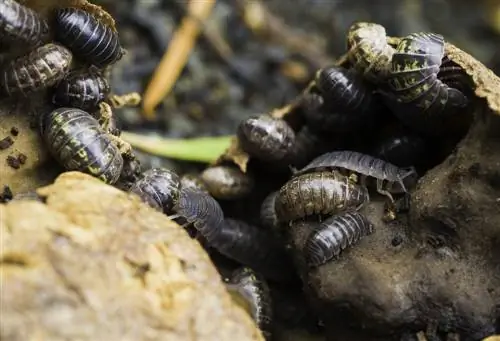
<point x="6" y="143"/>
<point x="13" y="162"/>
<point x="22" y="159"/>
<point x="6" y="194"/>
<point x="14" y="131"/>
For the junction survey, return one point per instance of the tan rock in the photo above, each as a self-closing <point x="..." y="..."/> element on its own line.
<point x="94" y="263"/>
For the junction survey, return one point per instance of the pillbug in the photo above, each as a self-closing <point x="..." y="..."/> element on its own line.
<point x="251" y="291"/>
<point x="81" y="89"/>
<point x="369" y="52"/>
<point x="347" y="103"/>
<point x="159" y="187"/>
<point x="21" y="25"/>
<point x="318" y="193"/>
<point x="225" y="182"/>
<point x="193" y="181"/>
<point x="266" y="138"/>
<point x="268" y="216"/>
<point x="254" y="247"/>
<point x="401" y="149"/>
<point x="416" y="94"/>
<point x="41" y="68"/>
<point x="390" y="178"/>
<point x="78" y="142"/>
<point x="334" y="235"/>
<point x="88" y="38"/>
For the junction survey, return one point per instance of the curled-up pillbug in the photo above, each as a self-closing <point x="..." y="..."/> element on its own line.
<point x="41" y="68"/>
<point x="318" y="193"/>
<point x="77" y="142"/>
<point x="250" y="290"/>
<point x="268" y="216"/>
<point x="226" y="182"/>
<point x="390" y="178"/>
<point x="454" y="75"/>
<point x="88" y="38"/>
<point x="401" y="149"/>
<point x="159" y="188"/>
<point x="266" y="138"/>
<point x="20" y="24"/>
<point x="369" y="51"/>
<point x="416" y="94"/>
<point x="83" y="89"/>
<point x="193" y="181"/>
<point x="334" y="235"/>
<point x="254" y="247"/>
<point x="347" y="102"/>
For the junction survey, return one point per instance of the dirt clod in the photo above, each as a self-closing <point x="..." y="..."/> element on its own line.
<point x="6" y="194"/>
<point x="6" y="142"/>
<point x="13" y="162"/>
<point x="14" y="131"/>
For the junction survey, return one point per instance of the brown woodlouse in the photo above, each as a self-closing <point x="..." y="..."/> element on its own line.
<point x="226" y="182"/>
<point x="21" y="25"/>
<point x="334" y="235"/>
<point x="159" y="188"/>
<point x="78" y="142"/>
<point x="82" y="89"/>
<point x="416" y="94"/>
<point x="88" y="37"/>
<point x="318" y="193"/>
<point x="390" y="178"/>
<point x="251" y="291"/>
<point x="40" y="69"/>
<point x="254" y="247"/>
<point x="369" y="52"/>
<point x="266" y="138"/>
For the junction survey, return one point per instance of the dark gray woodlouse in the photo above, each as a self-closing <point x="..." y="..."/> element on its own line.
<point x="159" y="188"/>
<point x="249" y="286"/>
<point x="88" y="37"/>
<point x="226" y="182"/>
<point x="416" y="94"/>
<point x="266" y="138"/>
<point x="390" y="178"/>
<point x="21" y="25"/>
<point x="193" y="181"/>
<point x="369" y="51"/>
<point x="254" y="247"/>
<point x="318" y="193"/>
<point x="78" y="142"/>
<point x="334" y="235"/>
<point x="83" y="89"/>
<point x="38" y="70"/>
<point x="402" y="150"/>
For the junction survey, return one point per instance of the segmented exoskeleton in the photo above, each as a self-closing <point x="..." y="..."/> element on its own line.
<point x="159" y="188"/>
<point x="401" y="149"/>
<point x="83" y="89"/>
<point x="21" y="25"/>
<point x="88" y="37"/>
<point x="318" y="193"/>
<point x="369" y="52"/>
<point x="226" y="182"/>
<point x="390" y="178"/>
<point x="79" y="143"/>
<point x="268" y="216"/>
<point x="416" y="94"/>
<point x="334" y="235"/>
<point x="250" y="287"/>
<point x="40" y="69"/>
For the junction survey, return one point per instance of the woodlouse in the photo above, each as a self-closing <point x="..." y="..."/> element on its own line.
<point x="390" y="178"/>
<point x="159" y="187"/>
<point x="334" y="235"/>
<point x="418" y="97"/>
<point x="193" y="181"/>
<point x="401" y="149"/>
<point x="347" y="102"/>
<point x="251" y="291"/>
<point x="88" y="37"/>
<point x="78" y="142"/>
<point x="318" y="193"/>
<point x="369" y="51"/>
<point x="41" y="68"/>
<point x="226" y="182"/>
<point x="266" y="138"/>
<point x="83" y="89"/>
<point x="21" y="25"/>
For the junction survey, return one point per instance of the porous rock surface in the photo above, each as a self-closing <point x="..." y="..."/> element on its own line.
<point x="94" y="263"/>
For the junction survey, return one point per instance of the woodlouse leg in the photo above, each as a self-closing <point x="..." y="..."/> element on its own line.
<point x="381" y="190"/>
<point x="129" y="100"/>
<point x="353" y="178"/>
